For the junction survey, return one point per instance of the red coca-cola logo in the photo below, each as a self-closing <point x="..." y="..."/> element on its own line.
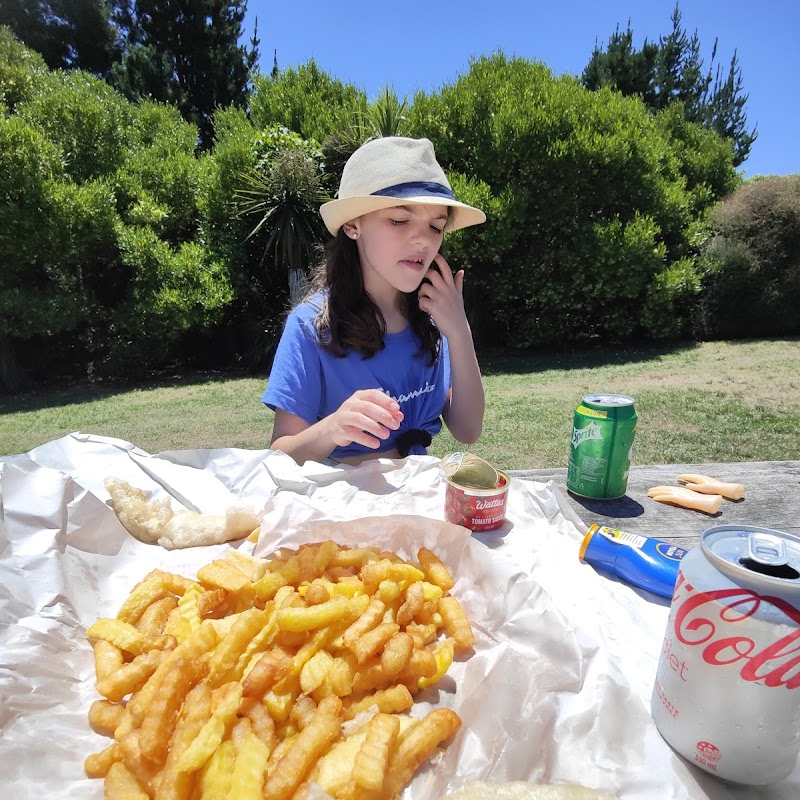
<point x="709" y="620"/>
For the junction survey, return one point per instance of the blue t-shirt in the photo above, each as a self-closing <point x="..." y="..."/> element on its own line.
<point x="312" y="383"/>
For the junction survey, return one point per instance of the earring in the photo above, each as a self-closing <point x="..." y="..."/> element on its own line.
<point x="354" y="235"/>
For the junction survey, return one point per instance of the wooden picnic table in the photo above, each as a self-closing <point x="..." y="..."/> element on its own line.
<point x="771" y="499"/>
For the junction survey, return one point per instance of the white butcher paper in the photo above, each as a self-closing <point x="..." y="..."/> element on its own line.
<point x="557" y="689"/>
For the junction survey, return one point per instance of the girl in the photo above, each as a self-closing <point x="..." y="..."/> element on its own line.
<point x="381" y="348"/>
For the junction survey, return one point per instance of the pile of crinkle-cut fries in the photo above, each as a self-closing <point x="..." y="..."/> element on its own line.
<point x="275" y="678"/>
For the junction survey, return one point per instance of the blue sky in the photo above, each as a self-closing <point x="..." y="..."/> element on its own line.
<point x="424" y="44"/>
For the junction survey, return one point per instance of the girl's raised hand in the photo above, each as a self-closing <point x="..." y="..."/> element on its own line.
<point x="443" y="298"/>
<point x="366" y="418"/>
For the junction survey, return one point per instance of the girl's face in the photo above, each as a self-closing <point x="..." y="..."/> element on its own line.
<point x="397" y="245"/>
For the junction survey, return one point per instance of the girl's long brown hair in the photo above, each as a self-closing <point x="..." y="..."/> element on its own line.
<point x="348" y="319"/>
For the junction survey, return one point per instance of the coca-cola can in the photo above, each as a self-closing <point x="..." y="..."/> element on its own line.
<point x="727" y="689"/>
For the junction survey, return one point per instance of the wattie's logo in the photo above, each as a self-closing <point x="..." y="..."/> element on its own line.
<point x="591" y="431"/>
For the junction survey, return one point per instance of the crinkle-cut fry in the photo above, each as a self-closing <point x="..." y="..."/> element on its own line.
<point x="421" y="634"/>
<point x="370" y="643"/>
<point x="435" y="570"/>
<point x="266" y="672"/>
<point x="443" y="652"/>
<point x="176" y="584"/>
<point x="681" y="496"/>
<point x="341" y="675"/>
<point x="120" y="634"/>
<point x="456" y="623"/>
<point x="104" y="716"/>
<point x="417" y="746"/>
<point x="209" y="602"/>
<point x="309" y="618"/>
<point x="279" y="704"/>
<point x="253" y="567"/>
<point x="387" y="701"/>
<point x="372" y="759"/>
<point x="215" y="779"/>
<point x="267" y="587"/>
<point x="155" y="616"/>
<point x="397" y="653"/>
<point x="707" y="485"/>
<point x="307" y="747"/>
<point x="422" y="664"/>
<point x="131" y="677"/>
<point x="354" y="557"/>
<point x="315" y="670"/>
<point x="192" y="649"/>
<point x="97" y="764"/>
<point x="317" y="593"/>
<point x="121" y="784"/>
<point x="323" y="556"/>
<point x="221" y="574"/>
<point x="261" y="641"/>
<point x="189" y="606"/>
<point x="249" y="769"/>
<point x="172" y="783"/>
<point x="366" y="622"/>
<point x="413" y="604"/>
<point x="108" y="658"/>
<point x="226" y="701"/>
<point x="263" y="725"/>
<point x="144" y="594"/>
<point x="302" y="711"/>
<point x="224" y="662"/>
<point x="133" y="758"/>
<point x="161" y="715"/>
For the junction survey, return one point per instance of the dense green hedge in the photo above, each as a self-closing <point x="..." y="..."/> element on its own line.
<point x="124" y="248"/>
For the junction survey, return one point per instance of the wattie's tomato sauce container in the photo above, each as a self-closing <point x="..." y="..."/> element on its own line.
<point x="476" y="493"/>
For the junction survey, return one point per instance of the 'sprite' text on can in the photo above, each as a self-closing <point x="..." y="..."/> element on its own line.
<point x="727" y="689"/>
<point x="603" y="430"/>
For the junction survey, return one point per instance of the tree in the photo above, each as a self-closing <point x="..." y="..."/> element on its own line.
<point x="69" y="34"/>
<point x="622" y="67"/>
<point x="189" y="57"/>
<point x="672" y="72"/>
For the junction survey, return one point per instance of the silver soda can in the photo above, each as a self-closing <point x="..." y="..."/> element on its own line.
<point x="727" y="689"/>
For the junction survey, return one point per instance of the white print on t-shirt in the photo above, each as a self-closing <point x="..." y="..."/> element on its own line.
<point x="429" y="387"/>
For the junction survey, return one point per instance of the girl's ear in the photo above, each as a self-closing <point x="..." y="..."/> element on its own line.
<point x="351" y="229"/>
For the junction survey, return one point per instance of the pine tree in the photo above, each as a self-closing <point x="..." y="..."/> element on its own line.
<point x="69" y="34"/>
<point x="672" y="71"/>
<point x="187" y="53"/>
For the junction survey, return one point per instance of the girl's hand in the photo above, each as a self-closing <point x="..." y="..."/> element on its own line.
<point x="366" y="418"/>
<point x="443" y="298"/>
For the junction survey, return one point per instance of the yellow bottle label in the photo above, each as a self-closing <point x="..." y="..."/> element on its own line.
<point x="591" y="412"/>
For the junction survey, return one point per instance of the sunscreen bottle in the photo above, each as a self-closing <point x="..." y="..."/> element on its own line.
<point x="649" y="563"/>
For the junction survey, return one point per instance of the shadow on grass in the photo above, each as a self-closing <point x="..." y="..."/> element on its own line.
<point x="522" y="363"/>
<point x="76" y="394"/>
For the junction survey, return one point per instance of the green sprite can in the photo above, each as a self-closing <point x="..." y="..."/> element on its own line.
<point x="602" y="444"/>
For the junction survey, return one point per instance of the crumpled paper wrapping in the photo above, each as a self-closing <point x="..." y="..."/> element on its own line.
<point x="557" y="690"/>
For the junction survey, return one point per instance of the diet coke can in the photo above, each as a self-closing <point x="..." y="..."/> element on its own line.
<point x="727" y="689"/>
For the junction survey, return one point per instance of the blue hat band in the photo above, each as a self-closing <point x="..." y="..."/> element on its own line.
<point x="415" y="189"/>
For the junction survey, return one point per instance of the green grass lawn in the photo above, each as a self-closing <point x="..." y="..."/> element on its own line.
<point x="715" y="401"/>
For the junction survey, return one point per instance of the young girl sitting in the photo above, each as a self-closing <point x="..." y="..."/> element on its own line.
<point x="381" y="348"/>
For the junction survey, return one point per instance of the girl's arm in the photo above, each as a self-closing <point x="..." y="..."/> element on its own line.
<point x="443" y="300"/>
<point x="365" y="418"/>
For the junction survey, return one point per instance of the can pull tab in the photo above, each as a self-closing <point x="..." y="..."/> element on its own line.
<point x="767" y="550"/>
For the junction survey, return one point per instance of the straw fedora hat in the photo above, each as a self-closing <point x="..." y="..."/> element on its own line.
<point x="394" y="171"/>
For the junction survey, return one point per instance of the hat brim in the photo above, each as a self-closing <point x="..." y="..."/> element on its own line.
<point x="336" y="212"/>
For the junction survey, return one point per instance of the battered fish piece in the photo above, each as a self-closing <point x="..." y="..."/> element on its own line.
<point x="154" y="521"/>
